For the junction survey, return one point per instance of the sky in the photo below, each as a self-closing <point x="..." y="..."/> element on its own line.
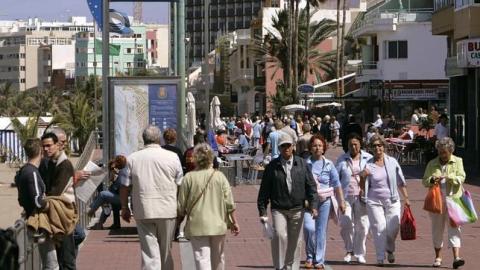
<point x="61" y="10"/>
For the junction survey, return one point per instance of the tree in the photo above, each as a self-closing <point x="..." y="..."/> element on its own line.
<point x="272" y="49"/>
<point x="78" y="119"/>
<point x="29" y="130"/>
<point x="283" y="96"/>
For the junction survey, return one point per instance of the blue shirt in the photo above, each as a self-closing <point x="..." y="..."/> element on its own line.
<point x="273" y="141"/>
<point x="257" y="129"/>
<point x="243" y="142"/>
<point x="324" y="172"/>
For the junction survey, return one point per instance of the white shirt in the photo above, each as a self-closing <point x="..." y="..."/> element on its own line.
<point x="441" y="131"/>
<point x="154" y="174"/>
<point x="378" y="123"/>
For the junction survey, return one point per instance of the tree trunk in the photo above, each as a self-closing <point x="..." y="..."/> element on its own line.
<point x="342" y="48"/>
<point x="307" y="45"/>
<point x="295" y="59"/>
<point x="338" y="48"/>
<point x="290" y="39"/>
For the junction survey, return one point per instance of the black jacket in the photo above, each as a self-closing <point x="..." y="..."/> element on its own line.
<point x="31" y="189"/>
<point x="274" y="190"/>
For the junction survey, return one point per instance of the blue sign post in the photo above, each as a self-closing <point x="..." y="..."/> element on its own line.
<point x="306" y="89"/>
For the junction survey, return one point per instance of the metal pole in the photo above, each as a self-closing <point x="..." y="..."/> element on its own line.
<point x="181" y="69"/>
<point x="105" y="71"/>
<point x="175" y="37"/>
<point x="95" y="101"/>
<point x="205" y="72"/>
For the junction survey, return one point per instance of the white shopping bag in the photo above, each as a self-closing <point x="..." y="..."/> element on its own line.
<point x="267" y="230"/>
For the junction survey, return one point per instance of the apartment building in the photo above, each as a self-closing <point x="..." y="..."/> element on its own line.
<point x="459" y="21"/>
<point x="32" y="51"/>
<point x="401" y="61"/>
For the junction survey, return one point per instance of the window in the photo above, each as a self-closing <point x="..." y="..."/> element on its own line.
<point x="140" y="50"/>
<point x="22" y="80"/>
<point x="463" y="3"/>
<point x="396" y="49"/>
<point x="22" y="68"/>
<point x="128" y="50"/>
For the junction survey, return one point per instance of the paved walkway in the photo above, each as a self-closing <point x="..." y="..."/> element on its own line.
<point x="120" y="249"/>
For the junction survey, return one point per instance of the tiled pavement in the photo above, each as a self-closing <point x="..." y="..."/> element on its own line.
<point x="120" y="250"/>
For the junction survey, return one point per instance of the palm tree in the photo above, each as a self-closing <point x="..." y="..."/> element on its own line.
<point x="314" y="3"/>
<point x="29" y="130"/>
<point x="78" y="119"/>
<point x="273" y="48"/>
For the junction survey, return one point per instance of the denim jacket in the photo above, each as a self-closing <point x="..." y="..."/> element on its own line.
<point x="344" y="170"/>
<point x="394" y="175"/>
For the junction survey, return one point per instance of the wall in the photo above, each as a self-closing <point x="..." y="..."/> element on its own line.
<point x="163" y="47"/>
<point x="426" y="53"/>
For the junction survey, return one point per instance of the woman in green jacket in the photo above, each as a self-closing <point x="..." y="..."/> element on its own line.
<point x="447" y="171"/>
<point x="205" y="198"/>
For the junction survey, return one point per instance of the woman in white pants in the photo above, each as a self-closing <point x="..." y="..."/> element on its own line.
<point x="447" y="171"/>
<point x="354" y="223"/>
<point x="381" y="181"/>
<point x="205" y="198"/>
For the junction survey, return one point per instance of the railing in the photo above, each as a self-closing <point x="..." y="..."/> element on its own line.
<point x="366" y="66"/>
<point x="398" y="16"/>
<point x="439" y="4"/>
<point x="83" y="218"/>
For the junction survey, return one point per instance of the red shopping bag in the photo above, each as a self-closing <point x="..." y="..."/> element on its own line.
<point x="408" y="227"/>
<point x="433" y="201"/>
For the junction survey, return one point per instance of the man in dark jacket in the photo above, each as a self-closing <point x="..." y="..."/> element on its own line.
<point x="57" y="172"/>
<point x="31" y="196"/>
<point x="286" y="183"/>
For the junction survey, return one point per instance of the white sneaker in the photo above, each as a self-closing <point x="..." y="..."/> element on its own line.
<point x="361" y="259"/>
<point x="348" y="257"/>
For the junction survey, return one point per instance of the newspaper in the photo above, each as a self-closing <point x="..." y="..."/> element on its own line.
<point x="85" y="189"/>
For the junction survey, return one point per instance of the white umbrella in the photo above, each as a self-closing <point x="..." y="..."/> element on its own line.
<point x="293" y="108"/>
<point x="191" y="119"/>
<point x="215" y="120"/>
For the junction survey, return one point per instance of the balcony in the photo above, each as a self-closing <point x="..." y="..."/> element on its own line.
<point x="452" y="69"/>
<point x="466" y="22"/>
<point x="442" y="20"/>
<point x="243" y="76"/>
<point x="368" y="71"/>
<point x="378" y="20"/>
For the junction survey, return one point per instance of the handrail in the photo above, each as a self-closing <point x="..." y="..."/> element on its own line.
<point x="28" y="254"/>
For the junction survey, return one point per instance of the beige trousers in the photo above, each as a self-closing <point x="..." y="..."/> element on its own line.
<point x="156" y="236"/>
<point x="208" y="252"/>
<point x="438" y="227"/>
<point x="287" y="238"/>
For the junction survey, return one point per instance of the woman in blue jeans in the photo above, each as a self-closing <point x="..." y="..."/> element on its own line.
<point x="328" y="185"/>
<point x="110" y="196"/>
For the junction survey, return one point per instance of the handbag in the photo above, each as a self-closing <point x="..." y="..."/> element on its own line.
<point x="461" y="210"/>
<point x="408" y="226"/>
<point x="433" y="201"/>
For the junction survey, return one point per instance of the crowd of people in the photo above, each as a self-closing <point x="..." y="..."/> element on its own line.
<point x="176" y="194"/>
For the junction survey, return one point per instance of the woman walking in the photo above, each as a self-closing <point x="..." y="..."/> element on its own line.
<point x="328" y="185"/>
<point x="381" y="181"/>
<point x="447" y="171"/>
<point x="354" y="224"/>
<point x="206" y="200"/>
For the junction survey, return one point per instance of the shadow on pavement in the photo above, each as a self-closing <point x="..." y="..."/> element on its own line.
<point x="124" y="231"/>
<point x="256" y="266"/>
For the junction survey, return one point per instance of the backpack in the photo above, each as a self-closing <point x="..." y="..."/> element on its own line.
<point x="8" y="250"/>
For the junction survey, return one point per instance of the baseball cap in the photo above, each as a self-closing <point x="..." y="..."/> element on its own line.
<point x="284" y="139"/>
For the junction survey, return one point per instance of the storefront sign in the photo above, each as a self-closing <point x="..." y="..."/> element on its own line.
<point x="415" y="94"/>
<point x="468" y="53"/>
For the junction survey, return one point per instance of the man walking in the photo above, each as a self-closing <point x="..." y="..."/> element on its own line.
<point x="57" y="172"/>
<point x="154" y="177"/>
<point x="31" y="196"/>
<point x="286" y="183"/>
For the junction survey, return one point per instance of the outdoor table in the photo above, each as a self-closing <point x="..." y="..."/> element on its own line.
<point x="238" y="159"/>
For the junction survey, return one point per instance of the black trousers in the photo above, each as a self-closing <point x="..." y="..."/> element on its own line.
<point x="66" y="254"/>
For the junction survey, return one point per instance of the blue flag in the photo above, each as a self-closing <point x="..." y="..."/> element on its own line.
<point x="95" y="7"/>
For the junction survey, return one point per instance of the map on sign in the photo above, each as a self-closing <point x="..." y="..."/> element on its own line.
<point x="140" y="103"/>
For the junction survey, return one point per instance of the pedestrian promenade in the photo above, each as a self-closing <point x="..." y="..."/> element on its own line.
<point x="120" y="249"/>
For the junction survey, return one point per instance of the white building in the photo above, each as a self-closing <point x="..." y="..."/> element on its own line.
<point x="402" y="62"/>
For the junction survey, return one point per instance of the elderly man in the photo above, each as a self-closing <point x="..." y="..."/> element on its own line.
<point x="154" y="177"/>
<point x="286" y="183"/>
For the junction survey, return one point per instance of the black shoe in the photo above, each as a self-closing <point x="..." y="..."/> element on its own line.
<point x="458" y="262"/>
